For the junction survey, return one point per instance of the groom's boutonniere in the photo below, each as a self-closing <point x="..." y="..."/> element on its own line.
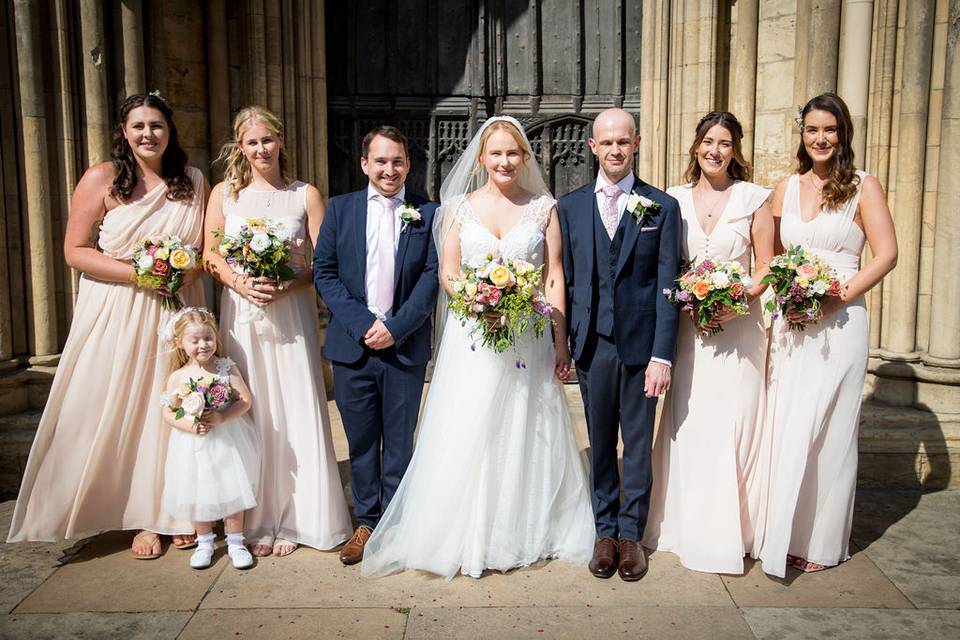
<point x="640" y="208"/>
<point x="409" y="215"/>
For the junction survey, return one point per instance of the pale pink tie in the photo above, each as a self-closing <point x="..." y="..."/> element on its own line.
<point x="386" y="256"/>
<point x="610" y="215"/>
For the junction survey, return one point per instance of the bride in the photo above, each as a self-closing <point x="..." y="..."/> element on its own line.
<point x="496" y="481"/>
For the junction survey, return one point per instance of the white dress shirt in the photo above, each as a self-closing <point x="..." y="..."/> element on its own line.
<point x="626" y="186"/>
<point x="374" y="211"/>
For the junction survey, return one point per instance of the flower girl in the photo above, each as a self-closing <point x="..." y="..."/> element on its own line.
<point x="213" y="456"/>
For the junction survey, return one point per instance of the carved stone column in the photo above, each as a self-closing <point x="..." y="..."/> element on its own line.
<point x="95" y="81"/>
<point x="744" y="63"/>
<point x="654" y="68"/>
<point x="131" y="21"/>
<point x="218" y="80"/>
<point x="856" y="30"/>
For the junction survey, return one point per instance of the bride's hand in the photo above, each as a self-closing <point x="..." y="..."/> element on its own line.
<point x="493" y="319"/>
<point x="259" y="291"/>
<point x="561" y="367"/>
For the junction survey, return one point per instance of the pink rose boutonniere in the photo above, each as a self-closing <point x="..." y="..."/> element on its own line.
<point x="409" y="215"/>
<point x="641" y="209"/>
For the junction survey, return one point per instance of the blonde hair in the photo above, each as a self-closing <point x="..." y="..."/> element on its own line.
<point x="502" y="125"/>
<point x="237" y="173"/>
<point x="186" y="319"/>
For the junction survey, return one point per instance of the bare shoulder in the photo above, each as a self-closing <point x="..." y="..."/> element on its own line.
<point x="99" y="175"/>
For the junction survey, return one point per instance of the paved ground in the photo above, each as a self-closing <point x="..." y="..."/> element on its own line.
<point x="902" y="582"/>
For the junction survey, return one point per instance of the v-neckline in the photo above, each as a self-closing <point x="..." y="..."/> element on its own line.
<point x="523" y="214"/>
<point x="720" y="217"/>
<point x="800" y="206"/>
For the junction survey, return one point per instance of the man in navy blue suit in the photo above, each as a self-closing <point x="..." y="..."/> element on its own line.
<point x="621" y="248"/>
<point x="375" y="266"/>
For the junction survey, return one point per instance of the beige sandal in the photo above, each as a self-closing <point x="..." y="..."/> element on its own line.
<point x="155" y="543"/>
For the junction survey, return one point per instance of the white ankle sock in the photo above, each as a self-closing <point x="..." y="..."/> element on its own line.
<point x="234" y="540"/>
<point x="205" y="540"/>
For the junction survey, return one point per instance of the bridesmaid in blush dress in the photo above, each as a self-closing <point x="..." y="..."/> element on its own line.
<point x="816" y="376"/>
<point x="97" y="460"/>
<point x="706" y="499"/>
<point x="273" y="334"/>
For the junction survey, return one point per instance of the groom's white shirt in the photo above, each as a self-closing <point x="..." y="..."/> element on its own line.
<point x="626" y="186"/>
<point x="374" y="270"/>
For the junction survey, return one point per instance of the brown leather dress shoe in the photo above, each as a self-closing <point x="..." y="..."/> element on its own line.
<point x="352" y="552"/>
<point x="633" y="562"/>
<point x="604" y="561"/>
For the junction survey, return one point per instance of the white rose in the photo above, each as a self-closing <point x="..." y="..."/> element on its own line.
<point x="145" y="262"/>
<point x="820" y="287"/>
<point x="193" y="404"/>
<point x="283" y="231"/>
<point x="633" y="201"/>
<point x="746" y="281"/>
<point x="720" y="279"/>
<point x="471" y="288"/>
<point x="260" y="242"/>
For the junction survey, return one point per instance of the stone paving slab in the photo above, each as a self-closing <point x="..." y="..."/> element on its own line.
<point x="295" y="624"/>
<point x="915" y="539"/>
<point x="690" y="623"/>
<point x="93" y="626"/>
<point x="855" y="583"/>
<point x="314" y="579"/>
<point x="104" y="576"/>
<point x="853" y="624"/>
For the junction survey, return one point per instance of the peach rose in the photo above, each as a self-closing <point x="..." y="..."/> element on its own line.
<point x="701" y="289"/>
<point x="807" y="271"/>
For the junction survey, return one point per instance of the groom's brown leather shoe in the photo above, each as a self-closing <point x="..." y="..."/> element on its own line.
<point x="604" y="561"/>
<point x="352" y="552"/>
<point x="633" y="562"/>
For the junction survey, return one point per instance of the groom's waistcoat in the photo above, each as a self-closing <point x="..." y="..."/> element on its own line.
<point x="608" y="253"/>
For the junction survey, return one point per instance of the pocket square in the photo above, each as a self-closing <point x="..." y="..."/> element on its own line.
<point x="644" y="229"/>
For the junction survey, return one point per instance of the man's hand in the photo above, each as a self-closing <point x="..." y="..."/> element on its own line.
<point x="657" y="380"/>
<point x="378" y="336"/>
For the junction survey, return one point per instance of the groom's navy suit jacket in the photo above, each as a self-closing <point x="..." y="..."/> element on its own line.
<point x="339" y="274"/>
<point x="644" y="322"/>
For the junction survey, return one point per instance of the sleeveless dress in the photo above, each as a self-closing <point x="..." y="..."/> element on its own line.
<point x="210" y="477"/>
<point x="815" y="385"/>
<point x="706" y="496"/>
<point x="97" y="460"/>
<point x="277" y="350"/>
<point x="496" y="480"/>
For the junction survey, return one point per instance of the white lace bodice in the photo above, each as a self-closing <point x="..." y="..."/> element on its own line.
<point x="524" y="240"/>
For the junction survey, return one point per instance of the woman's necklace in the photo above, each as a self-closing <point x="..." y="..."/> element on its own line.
<point x="716" y="201"/>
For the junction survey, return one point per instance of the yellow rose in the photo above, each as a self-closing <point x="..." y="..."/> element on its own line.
<point x="803" y="282"/>
<point x="162" y="253"/>
<point x="180" y="259"/>
<point x="500" y="276"/>
<point x="183" y="391"/>
<point x="521" y="281"/>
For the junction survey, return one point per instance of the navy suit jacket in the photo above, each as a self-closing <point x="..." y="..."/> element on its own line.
<point x="339" y="274"/>
<point x="644" y="323"/>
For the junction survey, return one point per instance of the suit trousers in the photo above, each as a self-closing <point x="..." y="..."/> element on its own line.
<point x="613" y="397"/>
<point x="379" y="401"/>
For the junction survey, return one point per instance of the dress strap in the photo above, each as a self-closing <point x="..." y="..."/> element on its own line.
<point x="223" y="367"/>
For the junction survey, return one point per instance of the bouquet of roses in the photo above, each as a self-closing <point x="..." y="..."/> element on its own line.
<point x="262" y="248"/>
<point x="199" y="395"/>
<point x="706" y="289"/>
<point x="160" y="263"/>
<point x="800" y="281"/>
<point x="510" y="288"/>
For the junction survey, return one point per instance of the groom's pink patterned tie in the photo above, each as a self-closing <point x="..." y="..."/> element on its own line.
<point x="610" y="215"/>
<point x="386" y="256"/>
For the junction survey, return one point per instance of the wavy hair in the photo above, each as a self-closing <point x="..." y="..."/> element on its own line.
<point x="842" y="183"/>
<point x="190" y="317"/>
<point x="237" y="172"/>
<point x="172" y="165"/>
<point x="739" y="168"/>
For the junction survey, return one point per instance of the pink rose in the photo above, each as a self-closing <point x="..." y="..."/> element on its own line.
<point x="219" y="395"/>
<point x="161" y="267"/>
<point x="736" y="289"/>
<point x="807" y="271"/>
<point x="494" y="296"/>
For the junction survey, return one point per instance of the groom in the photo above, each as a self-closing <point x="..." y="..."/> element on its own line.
<point x="375" y="266"/>
<point x="621" y="248"/>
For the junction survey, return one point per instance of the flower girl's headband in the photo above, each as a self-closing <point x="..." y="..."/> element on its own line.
<point x="167" y="332"/>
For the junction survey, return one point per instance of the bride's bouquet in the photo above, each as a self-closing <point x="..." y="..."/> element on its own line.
<point x="208" y="393"/>
<point x="708" y="288"/>
<point x="161" y="263"/>
<point x="262" y="248"/>
<point x="800" y="281"/>
<point x="509" y="288"/>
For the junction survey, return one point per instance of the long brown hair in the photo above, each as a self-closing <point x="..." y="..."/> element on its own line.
<point x="191" y="317"/>
<point x="842" y="183"/>
<point x="172" y="166"/>
<point x="739" y="168"/>
<point x="237" y="173"/>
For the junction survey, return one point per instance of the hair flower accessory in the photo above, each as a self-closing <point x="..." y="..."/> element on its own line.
<point x="166" y="332"/>
<point x="798" y="119"/>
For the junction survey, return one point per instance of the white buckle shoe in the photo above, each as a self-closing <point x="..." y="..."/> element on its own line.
<point x="240" y="557"/>
<point x="202" y="557"/>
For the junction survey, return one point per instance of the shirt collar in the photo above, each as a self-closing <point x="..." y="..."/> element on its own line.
<point x="625" y="184"/>
<point x="373" y="193"/>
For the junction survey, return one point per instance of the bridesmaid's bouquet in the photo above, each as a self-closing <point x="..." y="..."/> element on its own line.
<point x="509" y="288"/>
<point x="800" y="281"/>
<point x="262" y="248"/>
<point x="208" y="393"/>
<point x="707" y="288"/>
<point x="161" y="263"/>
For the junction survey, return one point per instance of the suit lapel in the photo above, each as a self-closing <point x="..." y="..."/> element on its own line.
<point x="401" y="251"/>
<point x="587" y="227"/>
<point x="359" y="217"/>
<point x="631" y="229"/>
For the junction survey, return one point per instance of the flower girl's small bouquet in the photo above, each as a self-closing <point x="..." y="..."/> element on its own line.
<point x="262" y="248"/>
<point x="208" y="393"/>
<point x="510" y="288"/>
<point x="800" y="281"/>
<point x="162" y="262"/>
<point x="708" y="288"/>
